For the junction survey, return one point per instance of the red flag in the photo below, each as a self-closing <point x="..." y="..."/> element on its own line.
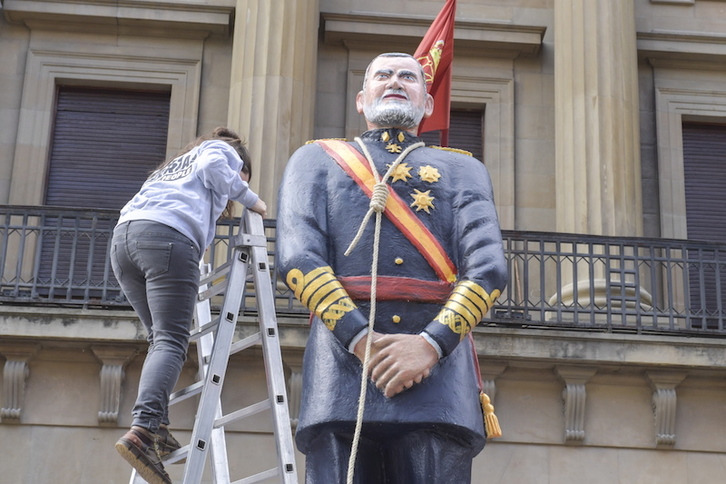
<point x="435" y="53"/>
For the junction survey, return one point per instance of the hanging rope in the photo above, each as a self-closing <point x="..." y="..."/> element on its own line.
<point x="377" y="205"/>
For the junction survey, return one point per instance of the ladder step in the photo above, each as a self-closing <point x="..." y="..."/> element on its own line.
<point x="186" y="392"/>
<point x="274" y="472"/>
<point x="197" y="333"/>
<point x="214" y="290"/>
<point x="212" y="276"/>
<point x="243" y="413"/>
<point x="176" y="456"/>
<point x="245" y="343"/>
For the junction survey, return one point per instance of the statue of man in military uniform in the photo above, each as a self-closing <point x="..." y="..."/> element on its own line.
<point x="428" y="271"/>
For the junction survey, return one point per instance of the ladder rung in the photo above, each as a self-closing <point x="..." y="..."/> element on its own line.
<point x="212" y="276"/>
<point x="197" y="333"/>
<point x="186" y="392"/>
<point x="274" y="472"/>
<point x="253" y="409"/>
<point x="245" y="343"/>
<point x="213" y="291"/>
<point x="176" y="456"/>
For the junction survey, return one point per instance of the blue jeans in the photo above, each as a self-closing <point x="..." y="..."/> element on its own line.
<point x="158" y="270"/>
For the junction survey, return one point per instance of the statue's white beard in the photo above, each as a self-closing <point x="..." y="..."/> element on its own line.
<point x="393" y="114"/>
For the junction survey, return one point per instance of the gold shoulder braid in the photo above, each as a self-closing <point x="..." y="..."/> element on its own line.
<point x="320" y="139"/>
<point x="454" y="150"/>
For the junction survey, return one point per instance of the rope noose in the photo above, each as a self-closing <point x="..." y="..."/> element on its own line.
<point x="377" y="205"/>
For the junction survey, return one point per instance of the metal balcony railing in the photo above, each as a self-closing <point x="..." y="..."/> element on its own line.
<point x="59" y="256"/>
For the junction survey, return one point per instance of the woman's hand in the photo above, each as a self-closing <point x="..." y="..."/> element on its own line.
<point x="260" y="207"/>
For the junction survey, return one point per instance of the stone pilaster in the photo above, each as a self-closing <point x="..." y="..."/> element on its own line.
<point x="596" y="118"/>
<point x="272" y="87"/>
<point x="597" y="140"/>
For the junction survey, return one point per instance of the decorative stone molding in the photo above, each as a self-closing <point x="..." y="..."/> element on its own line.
<point x="114" y="360"/>
<point x="489" y="374"/>
<point x="15" y="374"/>
<point x="163" y="18"/>
<point x="496" y="39"/>
<point x="574" y="396"/>
<point x="664" y="404"/>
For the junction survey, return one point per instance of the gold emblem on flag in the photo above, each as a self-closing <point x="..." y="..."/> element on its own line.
<point x="430" y="62"/>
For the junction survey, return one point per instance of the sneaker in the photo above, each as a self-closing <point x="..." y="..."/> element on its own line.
<point x="138" y="446"/>
<point x="167" y="443"/>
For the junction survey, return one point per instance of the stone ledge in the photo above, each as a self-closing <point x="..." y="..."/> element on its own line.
<point x="689" y="50"/>
<point x="491" y="39"/>
<point x="133" y="17"/>
<point x="610" y="349"/>
<point x="513" y="345"/>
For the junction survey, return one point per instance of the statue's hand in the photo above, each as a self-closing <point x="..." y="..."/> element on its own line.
<point x="398" y="361"/>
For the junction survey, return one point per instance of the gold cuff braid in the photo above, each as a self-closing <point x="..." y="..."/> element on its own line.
<point x="321" y="292"/>
<point x="467" y="305"/>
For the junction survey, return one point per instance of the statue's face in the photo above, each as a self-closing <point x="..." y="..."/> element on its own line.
<point x="394" y="94"/>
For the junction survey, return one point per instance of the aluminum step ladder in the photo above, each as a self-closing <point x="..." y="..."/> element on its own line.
<point x="215" y="344"/>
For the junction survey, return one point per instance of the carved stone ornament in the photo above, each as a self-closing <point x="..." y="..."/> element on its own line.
<point x="664" y="404"/>
<point x="15" y="375"/>
<point x="574" y="396"/>
<point x="114" y="360"/>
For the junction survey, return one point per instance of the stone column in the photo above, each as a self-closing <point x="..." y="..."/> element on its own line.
<point x="597" y="140"/>
<point x="272" y="88"/>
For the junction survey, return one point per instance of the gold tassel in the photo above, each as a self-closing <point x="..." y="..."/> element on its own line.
<point x="491" y="422"/>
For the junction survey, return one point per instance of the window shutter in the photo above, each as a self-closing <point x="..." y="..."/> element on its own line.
<point x="704" y="166"/>
<point x="105" y="143"/>
<point x="466" y="132"/>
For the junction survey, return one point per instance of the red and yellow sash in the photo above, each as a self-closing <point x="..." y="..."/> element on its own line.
<point x="354" y="164"/>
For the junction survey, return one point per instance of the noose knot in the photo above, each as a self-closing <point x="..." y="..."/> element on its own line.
<point x="379" y="197"/>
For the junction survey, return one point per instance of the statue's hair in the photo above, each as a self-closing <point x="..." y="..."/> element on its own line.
<point x="395" y="54"/>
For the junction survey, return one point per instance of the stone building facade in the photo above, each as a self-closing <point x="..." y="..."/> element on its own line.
<point x="583" y="105"/>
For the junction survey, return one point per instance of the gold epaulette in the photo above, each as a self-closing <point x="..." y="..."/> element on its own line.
<point x="322" y="139"/>
<point x="455" y="150"/>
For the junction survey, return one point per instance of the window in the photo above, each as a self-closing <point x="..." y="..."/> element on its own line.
<point x="704" y="163"/>
<point x="105" y="142"/>
<point x="466" y="132"/>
